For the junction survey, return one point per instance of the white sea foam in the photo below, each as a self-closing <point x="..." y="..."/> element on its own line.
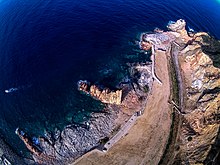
<point x="11" y="90"/>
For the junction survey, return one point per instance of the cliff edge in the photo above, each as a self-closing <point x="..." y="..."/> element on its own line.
<point x="201" y="97"/>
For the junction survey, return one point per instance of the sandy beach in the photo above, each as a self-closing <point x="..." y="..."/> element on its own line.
<point x="147" y="139"/>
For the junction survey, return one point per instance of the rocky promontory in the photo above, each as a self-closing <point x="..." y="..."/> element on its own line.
<point x="65" y="146"/>
<point x="105" y="95"/>
<point x="192" y="98"/>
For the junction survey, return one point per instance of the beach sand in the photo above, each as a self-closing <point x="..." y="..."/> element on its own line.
<point x="146" y="140"/>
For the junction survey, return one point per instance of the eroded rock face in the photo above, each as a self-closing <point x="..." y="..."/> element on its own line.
<point x="104" y="95"/>
<point x="159" y="40"/>
<point x="141" y="78"/>
<point x="61" y="147"/>
<point x="177" y="26"/>
<point x="201" y="102"/>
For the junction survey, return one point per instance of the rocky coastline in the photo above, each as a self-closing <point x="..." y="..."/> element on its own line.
<point x="105" y="95"/>
<point x="65" y="146"/>
<point x="197" y="102"/>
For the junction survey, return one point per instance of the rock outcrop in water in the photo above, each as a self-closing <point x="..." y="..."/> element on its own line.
<point x="34" y="148"/>
<point x="180" y="28"/>
<point x="105" y="95"/>
<point x="75" y="140"/>
<point x="67" y="145"/>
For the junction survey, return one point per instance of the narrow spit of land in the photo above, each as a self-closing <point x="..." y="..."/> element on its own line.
<point x="147" y="139"/>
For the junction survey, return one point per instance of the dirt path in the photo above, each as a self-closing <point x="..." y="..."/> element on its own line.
<point x="146" y="140"/>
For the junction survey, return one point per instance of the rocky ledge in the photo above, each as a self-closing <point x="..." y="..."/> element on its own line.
<point x="65" y="146"/>
<point x="195" y="56"/>
<point x="105" y="95"/>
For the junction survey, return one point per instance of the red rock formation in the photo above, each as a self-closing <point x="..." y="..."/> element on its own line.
<point x="104" y="95"/>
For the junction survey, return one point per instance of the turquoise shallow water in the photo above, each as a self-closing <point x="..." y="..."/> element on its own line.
<point x="48" y="45"/>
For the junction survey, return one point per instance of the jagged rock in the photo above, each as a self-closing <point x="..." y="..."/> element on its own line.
<point x="75" y="140"/>
<point x="177" y="26"/>
<point x="141" y="78"/>
<point x="28" y="142"/>
<point x="104" y="95"/>
<point x="72" y="142"/>
<point x="195" y="56"/>
<point x="180" y="28"/>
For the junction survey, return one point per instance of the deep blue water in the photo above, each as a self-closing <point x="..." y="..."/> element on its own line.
<point x="46" y="46"/>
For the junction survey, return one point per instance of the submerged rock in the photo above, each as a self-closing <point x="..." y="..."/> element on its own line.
<point x="30" y="144"/>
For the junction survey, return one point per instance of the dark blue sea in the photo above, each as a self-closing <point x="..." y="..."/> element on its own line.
<point x="46" y="46"/>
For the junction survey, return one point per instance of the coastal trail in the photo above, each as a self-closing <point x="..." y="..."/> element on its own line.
<point x="145" y="142"/>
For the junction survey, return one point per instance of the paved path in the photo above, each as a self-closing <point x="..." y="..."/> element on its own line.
<point x="146" y="140"/>
<point x="153" y="65"/>
<point x="123" y="131"/>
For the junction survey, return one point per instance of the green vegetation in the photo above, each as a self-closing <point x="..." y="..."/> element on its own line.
<point x="115" y="130"/>
<point x="104" y="140"/>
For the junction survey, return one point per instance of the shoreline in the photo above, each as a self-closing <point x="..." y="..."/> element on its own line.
<point x="75" y="140"/>
<point x="156" y="109"/>
<point x="124" y="143"/>
<point x="139" y="124"/>
<point x="131" y="101"/>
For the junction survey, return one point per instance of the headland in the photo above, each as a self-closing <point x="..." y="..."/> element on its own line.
<point x="165" y="112"/>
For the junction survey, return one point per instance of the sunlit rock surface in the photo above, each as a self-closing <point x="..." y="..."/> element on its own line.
<point x="198" y="60"/>
<point x="200" y="128"/>
<point x="105" y="95"/>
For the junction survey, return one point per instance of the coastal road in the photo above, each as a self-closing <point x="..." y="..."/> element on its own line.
<point x="174" y="54"/>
